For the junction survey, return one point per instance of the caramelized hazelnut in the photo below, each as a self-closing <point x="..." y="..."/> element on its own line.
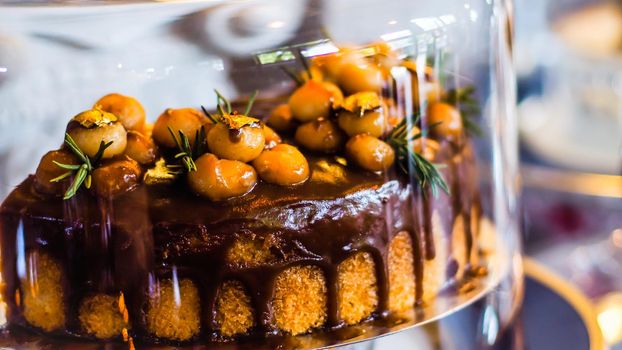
<point x="281" y="118"/>
<point x="271" y="137"/>
<point x="371" y="122"/>
<point x="219" y="179"/>
<point x="243" y="144"/>
<point x="283" y="165"/>
<point x="331" y="64"/>
<point x="428" y="148"/>
<point x="370" y="153"/>
<point x="335" y="92"/>
<point x="116" y="177"/>
<point x="129" y="111"/>
<point x="48" y="170"/>
<point x="448" y="119"/>
<point x="89" y="139"/>
<point x="141" y="148"/>
<point x="310" y="101"/>
<point x="186" y="120"/>
<point x="320" y="135"/>
<point x="359" y="77"/>
<point x="384" y="56"/>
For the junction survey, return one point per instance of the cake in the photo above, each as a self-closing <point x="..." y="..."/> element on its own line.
<point x="313" y="211"/>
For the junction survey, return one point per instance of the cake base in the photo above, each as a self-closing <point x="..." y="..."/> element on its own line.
<point x="472" y="297"/>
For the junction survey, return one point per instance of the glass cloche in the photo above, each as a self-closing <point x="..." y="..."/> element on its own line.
<point x="256" y="173"/>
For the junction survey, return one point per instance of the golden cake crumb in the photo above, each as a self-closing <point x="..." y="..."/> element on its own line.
<point x="234" y="310"/>
<point x="357" y="295"/>
<point x="250" y="251"/>
<point x="300" y="299"/>
<point x="43" y="293"/>
<point x="435" y="270"/>
<point x="174" y="319"/>
<point x="401" y="273"/>
<point x="100" y="316"/>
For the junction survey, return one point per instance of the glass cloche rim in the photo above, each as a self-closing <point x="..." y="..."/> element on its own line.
<point x="96" y="3"/>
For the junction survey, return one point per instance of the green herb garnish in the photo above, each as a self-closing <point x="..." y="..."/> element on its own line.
<point x="189" y="153"/>
<point x="426" y="173"/>
<point x="231" y="118"/>
<point x="82" y="171"/>
<point x="464" y="99"/>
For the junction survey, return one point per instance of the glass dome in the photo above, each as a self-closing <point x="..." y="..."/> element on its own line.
<point x="261" y="173"/>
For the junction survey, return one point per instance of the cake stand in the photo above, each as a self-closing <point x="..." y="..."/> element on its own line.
<point x="548" y="301"/>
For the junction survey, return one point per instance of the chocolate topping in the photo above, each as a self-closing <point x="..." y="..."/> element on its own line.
<point x="124" y="244"/>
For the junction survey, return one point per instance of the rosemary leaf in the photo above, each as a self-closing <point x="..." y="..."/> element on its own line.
<point x="251" y="100"/>
<point x="77" y="182"/>
<point x="221" y="98"/>
<point x="469" y="108"/>
<point x="100" y="152"/>
<point x="210" y="116"/>
<point x="185" y="151"/>
<point x="73" y="146"/>
<point x="65" y="175"/>
<point x="426" y="173"/>
<point x="67" y="166"/>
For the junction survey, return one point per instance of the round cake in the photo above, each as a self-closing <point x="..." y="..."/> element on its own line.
<point x="325" y="208"/>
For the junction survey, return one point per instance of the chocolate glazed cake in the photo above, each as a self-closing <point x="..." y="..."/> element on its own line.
<point x="233" y="232"/>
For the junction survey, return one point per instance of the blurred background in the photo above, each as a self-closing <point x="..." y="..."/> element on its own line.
<point x="568" y="60"/>
<point x="568" y="56"/>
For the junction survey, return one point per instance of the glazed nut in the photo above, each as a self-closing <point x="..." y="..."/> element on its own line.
<point x="370" y="153"/>
<point x="243" y="144"/>
<point x="187" y="120"/>
<point x="281" y="118"/>
<point x="90" y="139"/>
<point x="141" y="148"/>
<point x="48" y="170"/>
<point x="447" y="118"/>
<point x="360" y="77"/>
<point x="271" y="137"/>
<point x="116" y="177"/>
<point x="320" y="136"/>
<point x="428" y="148"/>
<point x="220" y="179"/>
<point x="129" y="111"/>
<point x="310" y="101"/>
<point x="283" y="165"/>
<point x="371" y="122"/>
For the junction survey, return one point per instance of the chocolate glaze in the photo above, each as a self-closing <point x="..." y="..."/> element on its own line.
<point x="154" y="232"/>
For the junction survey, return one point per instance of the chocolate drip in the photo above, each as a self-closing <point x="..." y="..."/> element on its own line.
<point x="332" y="309"/>
<point x="430" y="251"/>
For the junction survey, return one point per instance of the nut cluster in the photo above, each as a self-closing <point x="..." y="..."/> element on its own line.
<point x="339" y="107"/>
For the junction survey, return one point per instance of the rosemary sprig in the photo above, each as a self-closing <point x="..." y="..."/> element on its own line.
<point x="210" y="116"/>
<point x="219" y="99"/>
<point x="82" y="171"/>
<point x="188" y="153"/>
<point x="426" y="173"/>
<point x="232" y="119"/>
<point x="468" y="105"/>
